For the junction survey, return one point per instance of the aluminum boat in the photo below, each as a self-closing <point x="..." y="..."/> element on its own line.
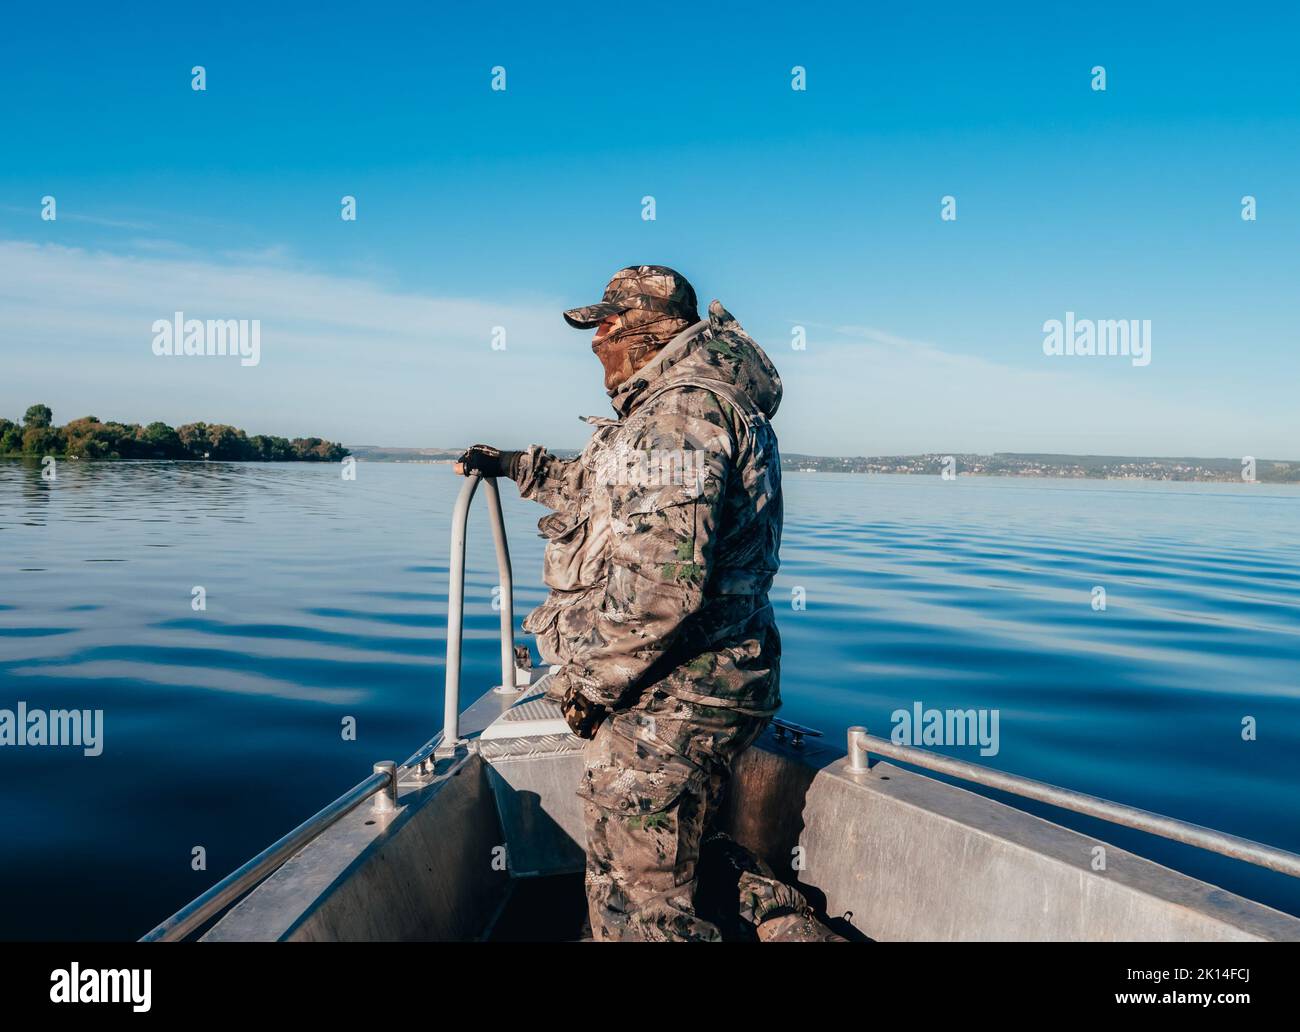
<point x="478" y="835"/>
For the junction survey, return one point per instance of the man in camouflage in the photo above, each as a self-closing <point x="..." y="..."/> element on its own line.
<point x="661" y="549"/>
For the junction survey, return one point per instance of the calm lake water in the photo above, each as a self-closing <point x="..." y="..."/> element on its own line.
<point x="327" y="598"/>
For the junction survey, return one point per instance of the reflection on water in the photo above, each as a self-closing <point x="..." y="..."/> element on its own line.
<point x="326" y="599"/>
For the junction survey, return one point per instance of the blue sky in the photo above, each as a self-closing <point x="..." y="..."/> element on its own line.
<point x="817" y="208"/>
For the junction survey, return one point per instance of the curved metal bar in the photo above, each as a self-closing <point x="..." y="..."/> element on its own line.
<point x="235" y="884"/>
<point x="456" y="604"/>
<point x="861" y="743"/>
<point x="239" y="881"/>
<point x="456" y="613"/>
<point x="507" y="586"/>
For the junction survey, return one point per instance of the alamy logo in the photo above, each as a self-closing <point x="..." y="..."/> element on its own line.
<point x="920" y="726"/>
<point x="82" y="729"/>
<point x="181" y="336"/>
<point x="106" y="985"/>
<point x="1128" y="337"/>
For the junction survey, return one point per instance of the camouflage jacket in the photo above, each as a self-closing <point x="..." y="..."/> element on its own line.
<point x="666" y="532"/>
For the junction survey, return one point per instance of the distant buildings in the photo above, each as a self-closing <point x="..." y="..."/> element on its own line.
<point x="1006" y="464"/>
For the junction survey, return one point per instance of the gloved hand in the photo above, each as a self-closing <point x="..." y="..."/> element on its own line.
<point x="488" y="461"/>
<point x="581" y="714"/>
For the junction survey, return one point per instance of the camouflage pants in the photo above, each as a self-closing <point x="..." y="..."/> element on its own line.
<point x="654" y="780"/>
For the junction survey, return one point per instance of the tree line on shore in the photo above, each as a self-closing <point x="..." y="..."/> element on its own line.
<point x="91" y="438"/>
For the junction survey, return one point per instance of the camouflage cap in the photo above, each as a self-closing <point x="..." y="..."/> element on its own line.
<point x="651" y="288"/>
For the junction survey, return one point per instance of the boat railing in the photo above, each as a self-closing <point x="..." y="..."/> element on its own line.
<point x="382" y="784"/>
<point x="862" y="744"/>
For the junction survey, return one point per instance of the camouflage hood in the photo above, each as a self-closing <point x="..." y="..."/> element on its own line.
<point x="715" y="348"/>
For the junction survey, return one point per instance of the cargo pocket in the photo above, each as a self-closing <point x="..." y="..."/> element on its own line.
<point x="567" y="564"/>
<point x="629" y="791"/>
<point x="625" y="777"/>
<point x="542" y="623"/>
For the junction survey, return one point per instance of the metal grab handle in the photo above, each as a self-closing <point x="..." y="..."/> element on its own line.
<point x="456" y="603"/>
<point x="382" y="784"/>
<point x="861" y="743"/>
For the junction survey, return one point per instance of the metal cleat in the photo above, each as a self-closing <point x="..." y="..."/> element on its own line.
<point x="797" y="732"/>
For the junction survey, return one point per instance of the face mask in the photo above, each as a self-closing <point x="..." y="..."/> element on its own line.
<point x="641" y="332"/>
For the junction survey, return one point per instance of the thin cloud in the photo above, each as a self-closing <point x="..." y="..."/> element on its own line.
<point x="342" y="357"/>
<point x="72" y="216"/>
<point x="910" y="395"/>
<point x="349" y="358"/>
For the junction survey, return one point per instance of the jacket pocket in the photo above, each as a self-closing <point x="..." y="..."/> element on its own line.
<point x="662" y="536"/>
<point x="568" y="562"/>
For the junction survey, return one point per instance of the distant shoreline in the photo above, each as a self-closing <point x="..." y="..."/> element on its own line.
<point x="789" y="470"/>
<point x="37" y="437"/>
<point x="1013" y="465"/>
